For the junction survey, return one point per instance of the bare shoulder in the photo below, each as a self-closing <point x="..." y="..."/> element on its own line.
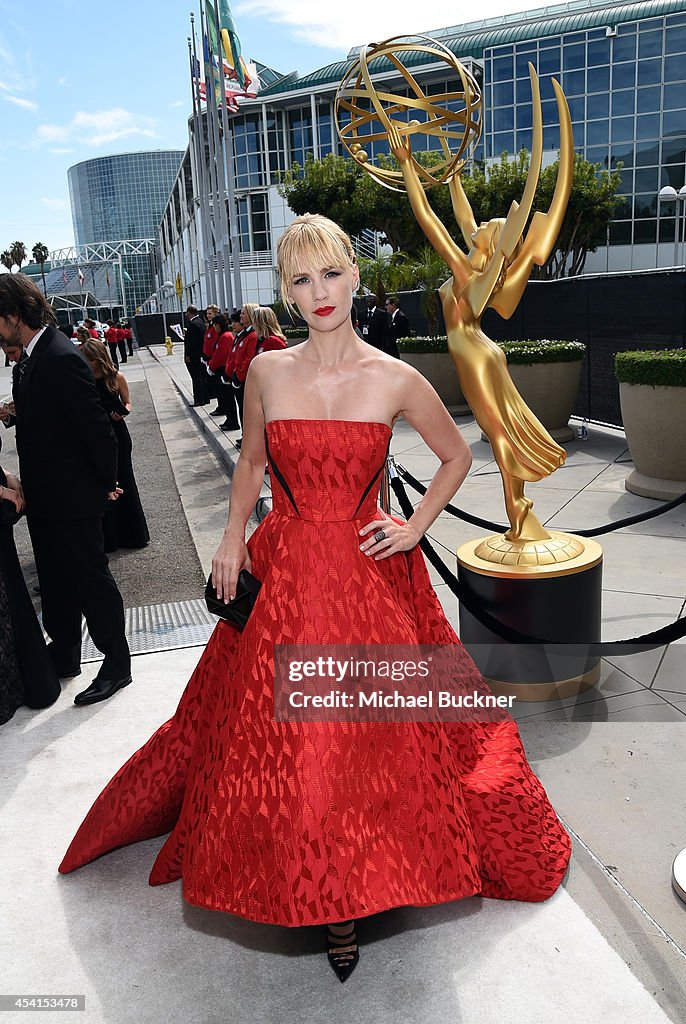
<point x="262" y="362"/>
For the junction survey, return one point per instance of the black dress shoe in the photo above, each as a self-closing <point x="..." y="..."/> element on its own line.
<point x="100" y="689"/>
<point x="217" y="412"/>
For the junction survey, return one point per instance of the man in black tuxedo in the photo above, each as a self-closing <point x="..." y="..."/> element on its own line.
<point x="192" y="354"/>
<point x="375" y="325"/>
<point x="398" y="327"/>
<point x="68" y="464"/>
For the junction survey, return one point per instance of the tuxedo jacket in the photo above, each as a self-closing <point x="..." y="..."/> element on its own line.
<point x="376" y="324"/>
<point x="65" y="442"/>
<point x="399" y="326"/>
<point x="194" y="339"/>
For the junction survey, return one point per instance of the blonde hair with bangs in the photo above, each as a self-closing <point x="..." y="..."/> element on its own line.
<point x="311" y="241"/>
<point x="265" y="323"/>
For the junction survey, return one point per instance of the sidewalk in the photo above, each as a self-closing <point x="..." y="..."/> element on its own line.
<point x="609" y="946"/>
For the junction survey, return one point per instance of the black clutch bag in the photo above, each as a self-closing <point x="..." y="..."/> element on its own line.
<point x="235" y="612"/>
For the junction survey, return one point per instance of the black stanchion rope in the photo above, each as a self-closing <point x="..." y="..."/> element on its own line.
<point x="646" y="642"/>
<point x="596" y="531"/>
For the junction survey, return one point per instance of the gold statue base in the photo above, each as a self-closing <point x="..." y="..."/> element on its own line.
<point x="531" y="554"/>
<point x="550" y="589"/>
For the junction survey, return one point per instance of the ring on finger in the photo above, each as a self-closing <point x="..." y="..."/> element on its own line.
<point x="380" y="535"/>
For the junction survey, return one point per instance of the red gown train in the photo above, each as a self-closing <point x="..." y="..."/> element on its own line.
<point x="303" y="823"/>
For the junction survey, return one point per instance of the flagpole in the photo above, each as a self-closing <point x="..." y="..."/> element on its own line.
<point x="197" y="178"/>
<point x="225" y="281"/>
<point x="204" y="173"/>
<point x="220" y="297"/>
<point x="233" y="239"/>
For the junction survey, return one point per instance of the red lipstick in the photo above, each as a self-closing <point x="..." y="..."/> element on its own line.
<point x="324" y="310"/>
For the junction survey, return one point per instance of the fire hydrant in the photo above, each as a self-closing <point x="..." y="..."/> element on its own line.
<point x="169" y="345"/>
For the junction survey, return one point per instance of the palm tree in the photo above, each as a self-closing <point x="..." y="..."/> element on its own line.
<point x="19" y="253"/>
<point x="40" y="253"/>
<point x="427" y="271"/>
<point x="7" y="260"/>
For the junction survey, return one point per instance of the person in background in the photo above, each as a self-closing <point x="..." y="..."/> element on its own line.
<point x="192" y="355"/>
<point x="124" y="524"/>
<point x="111" y="339"/>
<point x="121" y="343"/>
<point x="375" y="325"/>
<point x="270" y="337"/>
<point x="27" y="674"/>
<point x="91" y="328"/>
<point x="228" y="400"/>
<point x="246" y="343"/>
<point x="68" y="461"/>
<point x="225" y="340"/>
<point x="209" y="345"/>
<point x="398" y="326"/>
<point x="128" y="338"/>
<point x="82" y="334"/>
<point x="355" y="322"/>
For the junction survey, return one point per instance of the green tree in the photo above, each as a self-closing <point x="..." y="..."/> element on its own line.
<point x="426" y="271"/>
<point x="6" y="259"/>
<point x="19" y="253"/>
<point x="341" y="189"/>
<point x="40" y="253"/>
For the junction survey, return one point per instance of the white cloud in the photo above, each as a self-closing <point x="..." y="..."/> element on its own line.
<point x="98" y="128"/>
<point x="61" y="149"/>
<point x="55" y="204"/>
<point x="19" y="101"/>
<point x="177" y="103"/>
<point x="358" y="22"/>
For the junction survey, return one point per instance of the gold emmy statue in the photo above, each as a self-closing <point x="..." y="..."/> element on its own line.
<point x="493" y="273"/>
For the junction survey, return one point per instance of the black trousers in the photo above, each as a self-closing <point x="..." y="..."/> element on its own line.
<point x="123" y="356"/>
<point x="75" y="580"/>
<point x="200" y="380"/>
<point x="227" y="404"/>
<point x="112" y="348"/>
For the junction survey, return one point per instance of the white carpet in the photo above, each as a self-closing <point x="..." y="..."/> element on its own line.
<point x="141" y="955"/>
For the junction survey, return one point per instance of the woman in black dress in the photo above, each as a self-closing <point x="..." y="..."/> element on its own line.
<point x="27" y="674"/>
<point x="124" y="524"/>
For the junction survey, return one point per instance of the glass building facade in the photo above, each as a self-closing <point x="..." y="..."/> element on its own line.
<point x="122" y="197"/>
<point x="622" y="68"/>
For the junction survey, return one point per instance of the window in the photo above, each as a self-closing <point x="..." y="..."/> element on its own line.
<point x="574" y="83"/>
<point x="675" y="68"/>
<point x="624" y="48"/>
<point x="620" y="233"/>
<point x="649" y="45"/>
<point x="549" y="62"/>
<point x="597" y="105"/>
<point x="503" y="94"/>
<point x="650" y="72"/>
<point x="645" y="232"/>
<point x="674" y="122"/>
<point x="598" y="52"/>
<point x="675" y="40"/>
<point x="648" y="126"/>
<point x="502" y="69"/>
<point x="597" y="133"/>
<point x="598" y="79"/>
<point x="648" y="100"/>
<point x="647" y="180"/>
<point x="623" y="76"/>
<point x="623" y="103"/>
<point x="574" y="57"/>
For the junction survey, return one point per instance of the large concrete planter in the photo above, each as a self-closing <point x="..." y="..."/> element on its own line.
<point x="550" y="390"/>
<point x="439" y="370"/>
<point x="654" y="420"/>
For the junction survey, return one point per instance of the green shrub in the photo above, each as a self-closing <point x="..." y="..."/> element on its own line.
<point x="296" y="332"/>
<point x="524" y="353"/>
<point x="519" y="352"/>
<point x="660" y="368"/>
<point x="439" y="343"/>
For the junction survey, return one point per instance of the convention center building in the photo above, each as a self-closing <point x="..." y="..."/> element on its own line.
<point x="623" y="70"/>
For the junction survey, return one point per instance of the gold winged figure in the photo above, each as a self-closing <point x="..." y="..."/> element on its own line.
<point x="494" y="274"/>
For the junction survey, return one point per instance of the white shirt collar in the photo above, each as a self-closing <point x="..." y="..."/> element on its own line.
<point x="32" y="344"/>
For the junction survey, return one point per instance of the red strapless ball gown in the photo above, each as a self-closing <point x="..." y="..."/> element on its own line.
<point x="302" y="823"/>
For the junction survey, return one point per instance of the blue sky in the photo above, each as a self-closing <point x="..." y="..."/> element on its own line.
<point x="82" y="79"/>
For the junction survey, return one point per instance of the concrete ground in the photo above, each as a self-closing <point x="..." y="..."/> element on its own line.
<point x="609" y="946"/>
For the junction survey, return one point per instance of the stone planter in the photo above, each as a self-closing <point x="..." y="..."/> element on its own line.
<point x="439" y="370"/>
<point x="550" y="390"/>
<point x="654" y="418"/>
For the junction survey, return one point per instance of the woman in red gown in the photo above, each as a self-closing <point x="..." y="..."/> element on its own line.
<point x="304" y="823"/>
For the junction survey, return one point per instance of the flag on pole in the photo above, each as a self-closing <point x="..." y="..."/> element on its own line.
<point x="81" y="277"/>
<point x="107" y="276"/>
<point x="230" y="42"/>
<point x="65" y="279"/>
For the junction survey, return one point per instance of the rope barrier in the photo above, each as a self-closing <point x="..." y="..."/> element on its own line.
<point x="596" y="531"/>
<point x="647" y="642"/>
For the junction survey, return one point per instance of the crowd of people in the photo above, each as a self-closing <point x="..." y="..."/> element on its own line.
<point x="219" y="348"/>
<point x="218" y="351"/>
<point x="77" y="488"/>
